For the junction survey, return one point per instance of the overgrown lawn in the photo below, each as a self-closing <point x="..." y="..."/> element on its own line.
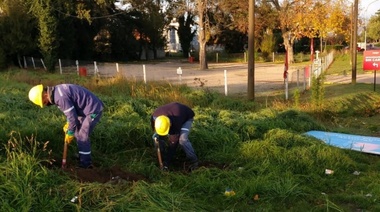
<point x="267" y="160"/>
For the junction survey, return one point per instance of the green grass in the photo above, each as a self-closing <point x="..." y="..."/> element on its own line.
<point x="260" y="143"/>
<point x="343" y="66"/>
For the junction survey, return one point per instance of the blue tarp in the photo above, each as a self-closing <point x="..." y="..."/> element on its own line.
<point x="359" y="143"/>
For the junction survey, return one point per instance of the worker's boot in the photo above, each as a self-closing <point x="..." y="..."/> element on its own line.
<point x="193" y="166"/>
<point x="85" y="161"/>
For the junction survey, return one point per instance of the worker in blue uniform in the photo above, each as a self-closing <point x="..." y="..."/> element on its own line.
<point x="82" y="109"/>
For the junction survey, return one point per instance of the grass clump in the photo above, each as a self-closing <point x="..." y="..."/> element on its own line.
<point x="25" y="184"/>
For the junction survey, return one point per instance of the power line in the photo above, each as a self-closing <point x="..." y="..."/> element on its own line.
<point x="91" y="17"/>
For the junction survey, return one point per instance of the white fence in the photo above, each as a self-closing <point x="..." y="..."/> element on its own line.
<point x="226" y="78"/>
<point x="303" y="75"/>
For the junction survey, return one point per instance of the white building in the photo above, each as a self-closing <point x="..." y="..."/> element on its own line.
<point x="172" y="38"/>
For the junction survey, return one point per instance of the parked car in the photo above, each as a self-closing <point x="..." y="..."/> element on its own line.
<point x="359" y="49"/>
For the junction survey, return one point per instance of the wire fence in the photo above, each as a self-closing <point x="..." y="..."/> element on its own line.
<point x="226" y="78"/>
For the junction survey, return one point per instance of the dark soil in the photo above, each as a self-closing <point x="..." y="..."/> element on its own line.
<point x="181" y="166"/>
<point x="99" y="174"/>
<point x="116" y="174"/>
<point x="102" y="175"/>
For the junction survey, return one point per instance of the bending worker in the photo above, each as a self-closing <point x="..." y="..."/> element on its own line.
<point x="83" y="111"/>
<point x="175" y="120"/>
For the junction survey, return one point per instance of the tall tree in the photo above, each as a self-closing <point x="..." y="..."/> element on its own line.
<point x="185" y="32"/>
<point x="324" y="18"/>
<point x="48" y="36"/>
<point x="373" y="27"/>
<point x="151" y="25"/>
<point x="288" y="11"/>
<point x="202" y="6"/>
<point x="124" y="44"/>
<point x="17" y="31"/>
<point x="302" y="18"/>
<point x="235" y="15"/>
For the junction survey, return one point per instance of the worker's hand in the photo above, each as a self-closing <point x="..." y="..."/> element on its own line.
<point x="69" y="137"/>
<point x="165" y="169"/>
<point x="66" y="127"/>
<point x="155" y="137"/>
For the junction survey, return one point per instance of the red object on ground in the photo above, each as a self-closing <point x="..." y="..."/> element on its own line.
<point x="191" y="59"/>
<point x="82" y="71"/>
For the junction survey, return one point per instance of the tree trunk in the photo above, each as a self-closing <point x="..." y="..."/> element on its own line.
<point x="321" y="43"/>
<point x="19" y="61"/>
<point x="288" y="42"/>
<point x="202" y="34"/>
<point x="154" y="51"/>
<point x="146" y="50"/>
<point x="251" y="50"/>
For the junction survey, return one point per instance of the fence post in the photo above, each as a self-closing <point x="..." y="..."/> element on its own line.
<point x="34" y="65"/>
<point x="60" y="66"/>
<point x="225" y="83"/>
<point x="144" y="72"/>
<point x="304" y="78"/>
<point x="95" y="68"/>
<point x="298" y="77"/>
<point x="217" y="57"/>
<point x="77" y="63"/>
<point x="117" y="67"/>
<point x="311" y="73"/>
<point x="179" y="73"/>
<point x="25" y="64"/>
<point x="43" y="64"/>
<point x="286" y="88"/>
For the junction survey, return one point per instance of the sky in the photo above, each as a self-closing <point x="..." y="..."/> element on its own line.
<point x="368" y="8"/>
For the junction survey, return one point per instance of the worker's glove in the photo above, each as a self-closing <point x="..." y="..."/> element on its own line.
<point x="155" y="137"/>
<point x="69" y="137"/>
<point x="165" y="169"/>
<point x="66" y="127"/>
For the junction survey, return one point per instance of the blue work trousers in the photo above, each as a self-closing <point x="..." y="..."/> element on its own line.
<point x="82" y="135"/>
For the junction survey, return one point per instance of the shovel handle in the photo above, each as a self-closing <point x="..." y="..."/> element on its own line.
<point x="64" y="155"/>
<point x="159" y="153"/>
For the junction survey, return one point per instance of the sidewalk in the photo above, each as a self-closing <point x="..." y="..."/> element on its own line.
<point x="360" y="78"/>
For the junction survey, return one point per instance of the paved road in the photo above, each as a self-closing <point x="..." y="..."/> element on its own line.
<point x="360" y="78"/>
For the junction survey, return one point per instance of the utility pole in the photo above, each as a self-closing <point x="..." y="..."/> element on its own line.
<point x="251" y="50"/>
<point x="354" y="41"/>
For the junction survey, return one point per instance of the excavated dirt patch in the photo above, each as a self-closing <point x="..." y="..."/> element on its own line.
<point x="102" y="175"/>
<point x="116" y="174"/>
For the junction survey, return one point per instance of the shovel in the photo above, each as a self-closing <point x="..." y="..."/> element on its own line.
<point x="159" y="153"/>
<point x="64" y="155"/>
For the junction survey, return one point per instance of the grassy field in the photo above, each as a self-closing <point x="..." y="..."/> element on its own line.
<point x="257" y="148"/>
<point x="343" y="64"/>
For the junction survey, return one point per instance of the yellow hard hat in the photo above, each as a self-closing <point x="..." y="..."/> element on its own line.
<point x="35" y="95"/>
<point x="162" y="125"/>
